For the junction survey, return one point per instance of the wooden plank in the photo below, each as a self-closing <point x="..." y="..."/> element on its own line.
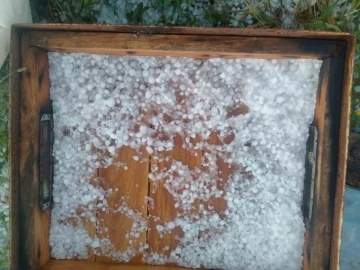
<point x="182" y="45"/>
<point x="34" y="97"/>
<point x="322" y="225"/>
<point x="310" y="245"/>
<point x="42" y="218"/>
<point x="322" y="246"/>
<point x="346" y="59"/>
<point x="180" y="30"/>
<point x="164" y="203"/>
<point x="130" y="186"/>
<point x="84" y="265"/>
<point x="14" y="149"/>
<point x="225" y="170"/>
<point x="85" y="221"/>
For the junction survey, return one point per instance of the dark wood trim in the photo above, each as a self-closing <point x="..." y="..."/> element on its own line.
<point x="346" y="54"/>
<point x="199" y="46"/>
<point x="14" y="149"/>
<point x="289" y="33"/>
<point x="29" y="95"/>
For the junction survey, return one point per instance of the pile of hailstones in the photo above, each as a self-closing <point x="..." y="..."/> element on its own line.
<point x="251" y="115"/>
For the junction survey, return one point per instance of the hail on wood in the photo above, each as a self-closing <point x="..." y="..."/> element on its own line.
<point x="257" y="110"/>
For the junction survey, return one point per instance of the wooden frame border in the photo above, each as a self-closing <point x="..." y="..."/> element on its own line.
<point x="343" y="53"/>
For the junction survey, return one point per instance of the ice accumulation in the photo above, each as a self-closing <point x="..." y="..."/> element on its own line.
<point x="260" y="111"/>
<point x="201" y="12"/>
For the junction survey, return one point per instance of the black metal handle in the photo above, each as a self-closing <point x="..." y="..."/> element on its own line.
<point x="310" y="174"/>
<point x="46" y="161"/>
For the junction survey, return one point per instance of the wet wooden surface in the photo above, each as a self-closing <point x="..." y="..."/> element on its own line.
<point x="164" y="202"/>
<point x="129" y="187"/>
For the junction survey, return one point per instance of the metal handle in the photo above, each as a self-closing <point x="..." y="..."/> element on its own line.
<point x="46" y="161"/>
<point x="310" y="174"/>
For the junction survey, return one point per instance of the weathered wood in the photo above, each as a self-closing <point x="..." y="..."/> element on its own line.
<point x="322" y="252"/>
<point x="34" y="224"/>
<point x="84" y="265"/>
<point x="129" y="186"/>
<point x="346" y="59"/>
<point x="180" y="30"/>
<point x="14" y="149"/>
<point x="311" y="243"/>
<point x="182" y="45"/>
<point x="224" y="169"/>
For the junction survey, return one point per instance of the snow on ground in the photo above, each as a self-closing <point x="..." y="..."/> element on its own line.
<point x="213" y="13"/>
<point x="197" y="12"/>
<point x="4" y="214"/>
<point x="4" y="206"/>
<point x="102" y="103"/>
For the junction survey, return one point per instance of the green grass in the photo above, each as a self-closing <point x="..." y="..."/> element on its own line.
<point x="4" y="179"/>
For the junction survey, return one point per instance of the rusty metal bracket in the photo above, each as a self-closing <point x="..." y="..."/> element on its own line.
<point x="310" y="174"/>
<point x="46" y="163"/>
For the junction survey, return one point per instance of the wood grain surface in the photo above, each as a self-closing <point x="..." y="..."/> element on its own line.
<point x="34" y="224"/>
<point x="344" y="64"/>
<point x="86" y="265"/>
<point x="181" y="30"/>
<point x="195" y="46"/>
<point x="14" y="148"/>
<point x="311" y="243"/>
<point x="129" y="186"/>
<point x="164" y="203"/>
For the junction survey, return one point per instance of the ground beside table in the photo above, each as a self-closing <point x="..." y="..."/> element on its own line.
<point x="350" y="240"/>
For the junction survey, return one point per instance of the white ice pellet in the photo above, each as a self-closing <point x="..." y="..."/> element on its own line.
<point x="159" y="228"/>
<point x="149" y="150"/>
<point x="109" y="102"/>
<point x="93" y="219"/>
<point x="143" y="129"/>
<point x="95" y="243"/>
<point x="151" y="80"/>
<point x="170" y="225"/>
<point x="88" y="147"/>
